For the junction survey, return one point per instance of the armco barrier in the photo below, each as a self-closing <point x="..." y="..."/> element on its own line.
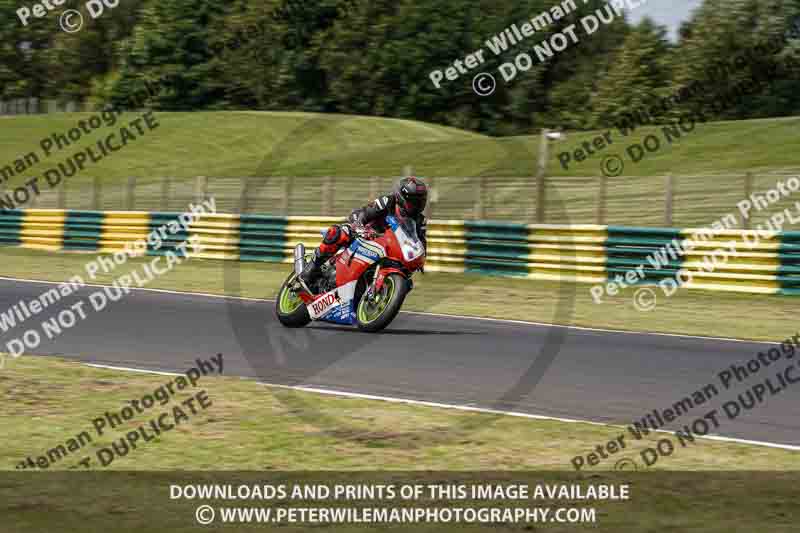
<point x="578" y="253"/>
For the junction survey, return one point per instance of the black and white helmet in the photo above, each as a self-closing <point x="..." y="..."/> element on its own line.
<point x="411" y="196"/>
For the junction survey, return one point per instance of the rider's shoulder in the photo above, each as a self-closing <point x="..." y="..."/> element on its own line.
<point x="384" y="202"/>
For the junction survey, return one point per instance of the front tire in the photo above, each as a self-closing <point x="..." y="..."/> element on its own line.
<point x="374" y="316"/>
<point x="289" y="308"/>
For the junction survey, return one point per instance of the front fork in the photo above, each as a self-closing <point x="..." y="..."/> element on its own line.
<point x="379" y="277"/>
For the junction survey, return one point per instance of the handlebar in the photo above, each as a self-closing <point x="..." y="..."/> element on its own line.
<point x="365" y="232"/>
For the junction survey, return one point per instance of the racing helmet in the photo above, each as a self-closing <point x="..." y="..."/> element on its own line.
<point x="411" y="195"/>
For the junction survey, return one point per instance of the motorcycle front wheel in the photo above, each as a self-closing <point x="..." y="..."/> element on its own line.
<point x="374" y="314"/>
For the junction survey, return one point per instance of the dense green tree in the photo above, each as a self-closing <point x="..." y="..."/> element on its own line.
<point x="172" y="42"/>
<point x="375" y="57"/>
<point x="728" y="44"/>
<point x="572" y="80"/>
<point x="639" y="74"/>
<point x="24" y="60"/>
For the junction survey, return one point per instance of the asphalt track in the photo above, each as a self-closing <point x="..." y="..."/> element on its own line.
<point x="599" y="376"/>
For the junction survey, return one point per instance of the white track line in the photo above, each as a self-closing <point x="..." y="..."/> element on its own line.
<point x="441" y="315"/>
<point x="483" y="410"/>
<point x="436" y="404"/>
<point x="166" y="291"/>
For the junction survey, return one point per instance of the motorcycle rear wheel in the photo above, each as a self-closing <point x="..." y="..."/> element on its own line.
<point x="373" y="316"/>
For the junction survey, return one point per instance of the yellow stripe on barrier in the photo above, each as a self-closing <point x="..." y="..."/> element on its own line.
<point x="121" y="228"/>
<point x="574" y="253"/>
<point x="43" y="229"/>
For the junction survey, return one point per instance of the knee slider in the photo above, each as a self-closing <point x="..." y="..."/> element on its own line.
<point x="333" y="235"/>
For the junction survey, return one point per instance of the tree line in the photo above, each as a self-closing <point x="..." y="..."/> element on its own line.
<point x="374" y="57"/>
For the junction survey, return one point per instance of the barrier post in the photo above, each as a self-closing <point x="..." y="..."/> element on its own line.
<point x="130" y="194"/>
<point x="541" y="188"/>
<point x="287" y="195"/>
<point x="165" y="192"/>
<point x="244" y="196"/>
<point x="373" y="187"/>
<point x="601" y="200"/>
<point x="748" y="190"/>
<point x="328" y="190"/>
<point x="200" y="189"/>
<point x="61" y="195"/>
<point x="97" y="192"/>
<point x="433" y="197"/>
<point x="480" y="205"/>
<point x="541" y="170"/>
<point x="669" y="198"/>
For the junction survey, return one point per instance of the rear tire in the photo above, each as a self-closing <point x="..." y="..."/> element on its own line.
<point x="289" y="308"/>
<point x="375" y="317"/>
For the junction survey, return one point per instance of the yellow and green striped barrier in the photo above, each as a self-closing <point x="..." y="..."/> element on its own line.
<point x="576" y="253"/>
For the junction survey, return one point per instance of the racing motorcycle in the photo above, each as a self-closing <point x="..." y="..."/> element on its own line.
<point x="364" y="284"/>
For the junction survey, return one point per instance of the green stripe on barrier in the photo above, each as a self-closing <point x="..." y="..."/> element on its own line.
<point x="10" y="227"/>
<point x="267" y="258"/>
<point x="509" y="268"/>
<point x="627" y="230"/>
<point x="491" y="248"/>
<point x="170" y="222"/>
<point x="82" y="230"/>
<point x="650" y="274"/>
<point x="482" y="248"/>
<point x="629" y="249"/>
<point x="262" y="237"/>
<point x="789" y="256"/>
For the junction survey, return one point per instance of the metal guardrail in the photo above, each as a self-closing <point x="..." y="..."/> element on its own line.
<point x="658" y="201"/>
<point x="573" y="253"/>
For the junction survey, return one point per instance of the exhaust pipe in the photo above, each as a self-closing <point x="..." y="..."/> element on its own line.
<point x="299" y="258"/>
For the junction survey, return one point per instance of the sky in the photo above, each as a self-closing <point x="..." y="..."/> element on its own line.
<point x="669" y="13"/>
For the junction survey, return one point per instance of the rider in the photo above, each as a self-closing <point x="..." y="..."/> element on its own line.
<point x="407" y="200"/>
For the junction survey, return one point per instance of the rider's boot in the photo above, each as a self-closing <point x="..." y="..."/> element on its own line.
<point x="313" y="269"/>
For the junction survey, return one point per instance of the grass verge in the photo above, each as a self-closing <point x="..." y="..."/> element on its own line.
<point x="234" y="144"/>
<point x="342" y="153"/>
<point x="253" y="427"/>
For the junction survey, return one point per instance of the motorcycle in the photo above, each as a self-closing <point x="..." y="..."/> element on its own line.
<point x="364" y="284"/>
